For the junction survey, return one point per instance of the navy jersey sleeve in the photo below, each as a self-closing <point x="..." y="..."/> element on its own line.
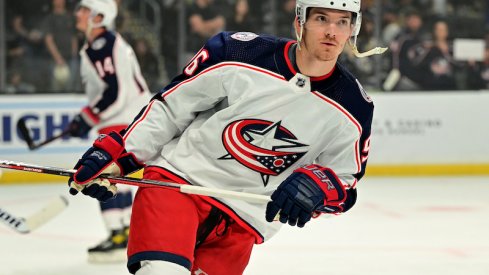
<point x="365" y="140"/>
<point x="346" y="90"/>
<point x="103" y="61"/>
<point x="362" y="108"/>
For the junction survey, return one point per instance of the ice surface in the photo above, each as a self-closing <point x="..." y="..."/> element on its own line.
<point x="400" y="226"/>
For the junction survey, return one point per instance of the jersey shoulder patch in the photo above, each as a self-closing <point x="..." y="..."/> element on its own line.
<point x="363" y="92"/>
<point x="99" y="43"/>
<point x="244" y="36"/>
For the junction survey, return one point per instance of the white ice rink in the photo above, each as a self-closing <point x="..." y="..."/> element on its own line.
<point x="409" y="226"/>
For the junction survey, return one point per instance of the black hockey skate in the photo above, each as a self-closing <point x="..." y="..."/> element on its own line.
<point x="111" y="250"/>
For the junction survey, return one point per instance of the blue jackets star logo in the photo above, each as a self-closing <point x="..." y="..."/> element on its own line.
<point x="262" y="146"/>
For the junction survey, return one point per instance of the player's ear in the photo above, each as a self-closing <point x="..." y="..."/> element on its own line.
<point x="296" y="25"/>
<point x="98" y="19"/>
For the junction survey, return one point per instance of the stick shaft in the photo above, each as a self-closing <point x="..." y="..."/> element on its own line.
<point x="189" y="189"/>
<point x="49" y="140"/>
<point x="24" y="131"/>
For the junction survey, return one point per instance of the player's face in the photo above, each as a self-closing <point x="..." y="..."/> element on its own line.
<point x="441" y="30"/>
<point x="326" y="33"/>
<point x="82" y="16"/>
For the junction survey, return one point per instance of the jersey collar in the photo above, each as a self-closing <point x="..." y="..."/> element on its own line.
<point x="289" y="55"/>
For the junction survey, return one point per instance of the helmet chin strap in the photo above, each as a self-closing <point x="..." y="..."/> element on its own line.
<point x="91" y="25"/>
<point x="299" y="35"/>
<point x="89" y="29"/>
<point x="354" y="49"/>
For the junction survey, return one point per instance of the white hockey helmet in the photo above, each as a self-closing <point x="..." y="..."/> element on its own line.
<point x="106" y="8"/>
<point x="352" y="6"/>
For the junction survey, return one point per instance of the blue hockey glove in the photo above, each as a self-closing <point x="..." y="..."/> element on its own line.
<point x="106" y="156"/>
<point x="308" y="190"/>
<point x="83" y="123"/>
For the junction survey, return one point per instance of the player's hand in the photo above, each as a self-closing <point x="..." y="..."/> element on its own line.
<point x="100" y="189"/>
<point x="106" y="156"/>
<point x="79" y="127"/>
<point x="83" y="123"/>
<point x="307" y="190"/>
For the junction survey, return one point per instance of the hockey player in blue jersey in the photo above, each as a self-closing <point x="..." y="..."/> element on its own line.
<point x="252" y="113"/>
<point x="116" y="92"/>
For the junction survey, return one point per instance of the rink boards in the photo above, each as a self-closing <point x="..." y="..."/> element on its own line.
<point x="412" y="134"/>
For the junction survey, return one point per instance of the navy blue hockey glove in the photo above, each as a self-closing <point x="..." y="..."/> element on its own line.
<point x="106" y="156"/>
<point x="307" y="191"/>
<point x="83" y="123"/>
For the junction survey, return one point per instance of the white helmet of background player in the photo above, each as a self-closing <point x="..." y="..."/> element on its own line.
<point x="106" y="8"/>
<point x="352" y="6"/>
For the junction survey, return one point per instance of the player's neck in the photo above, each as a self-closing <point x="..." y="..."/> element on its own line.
<point x="95" y="33"/>
<point x="311" y="66"/>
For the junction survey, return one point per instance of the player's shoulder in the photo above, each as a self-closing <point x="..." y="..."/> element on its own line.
<point x="103" y="42"/>
<point x="102" y="46"/>
<point x="351" y="83"/>
<point x="242" y="45"/>
<point x="244" y="38"/>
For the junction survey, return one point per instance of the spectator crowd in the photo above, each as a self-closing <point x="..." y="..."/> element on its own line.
<point x="424" y="39"/>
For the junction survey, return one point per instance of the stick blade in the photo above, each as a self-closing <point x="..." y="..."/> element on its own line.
<point x="24" y="132"/>
<point x="16" y="223"/>
<point x="47" y="213"/>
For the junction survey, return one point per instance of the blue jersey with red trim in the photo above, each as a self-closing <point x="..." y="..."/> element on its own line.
<point x="241" y="117"/>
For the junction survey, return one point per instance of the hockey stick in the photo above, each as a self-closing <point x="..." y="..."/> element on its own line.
<point x="36" y="220"/>
<point x="184" y="188"/>
<point x="24" y="131"/>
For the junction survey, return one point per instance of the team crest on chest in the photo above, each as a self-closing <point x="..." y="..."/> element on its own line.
<point x="263" y="146"/>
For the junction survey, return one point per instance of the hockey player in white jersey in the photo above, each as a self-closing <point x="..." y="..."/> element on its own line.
<point x="116" y="92"/>
<point x="252" y="113"/>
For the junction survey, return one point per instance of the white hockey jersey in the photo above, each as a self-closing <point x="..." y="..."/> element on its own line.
<point x="241" y="118"/>
<point x="112" y="80"/>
